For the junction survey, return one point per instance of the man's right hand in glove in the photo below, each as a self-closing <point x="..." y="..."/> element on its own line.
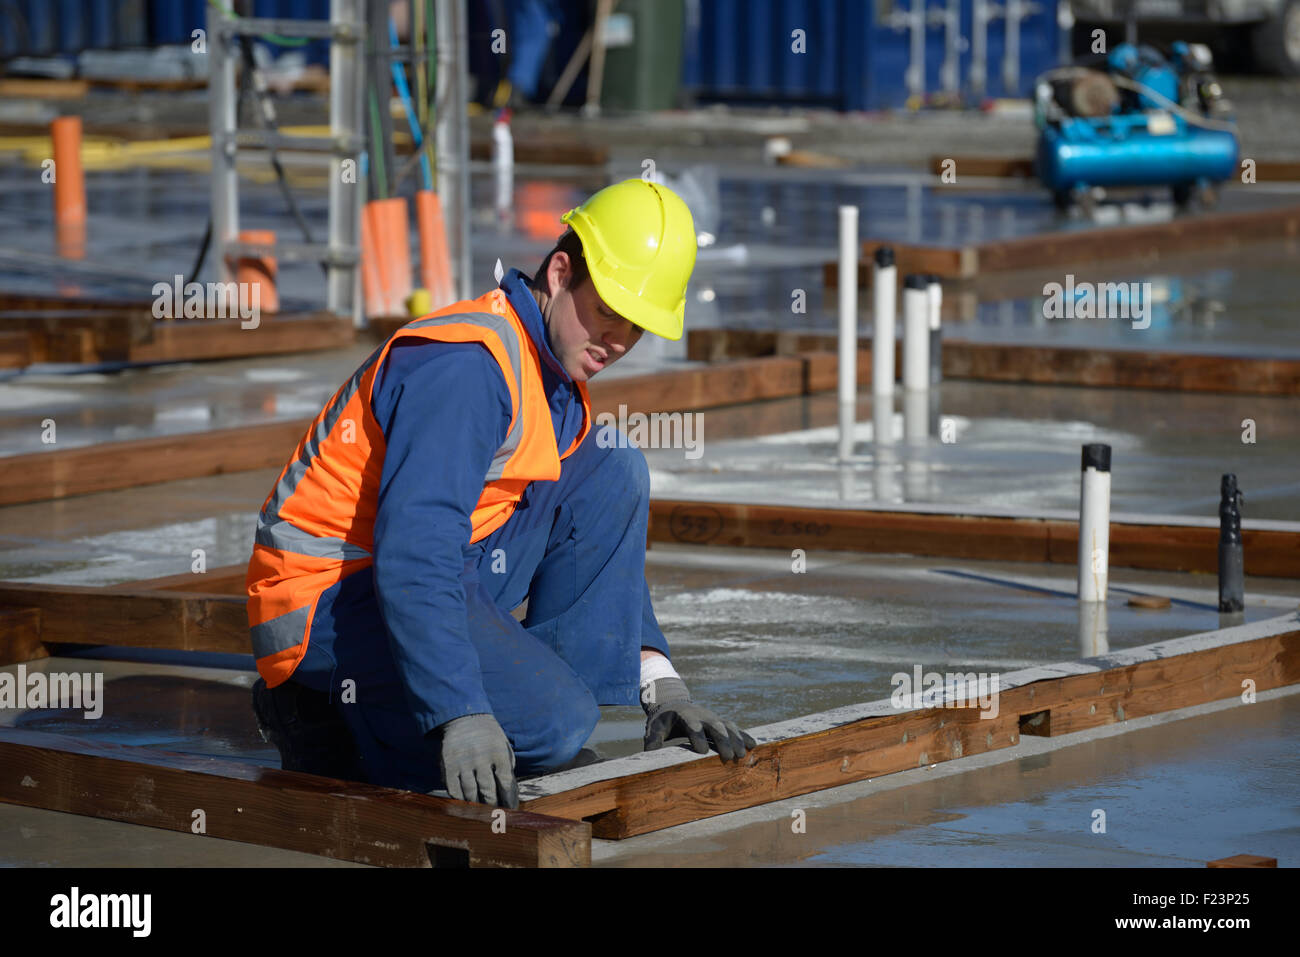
<point x="477" y="762"/>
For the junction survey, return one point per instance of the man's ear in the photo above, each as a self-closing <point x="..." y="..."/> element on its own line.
<point x="560" y="272"/>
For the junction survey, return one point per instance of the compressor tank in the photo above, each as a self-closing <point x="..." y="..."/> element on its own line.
<point x="1122" y="151"/>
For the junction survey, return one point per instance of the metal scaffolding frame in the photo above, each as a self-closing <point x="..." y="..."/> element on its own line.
<point x="345" y="30"/>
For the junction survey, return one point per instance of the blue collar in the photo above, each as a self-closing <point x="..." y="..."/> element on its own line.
<point x="517" y="290"/>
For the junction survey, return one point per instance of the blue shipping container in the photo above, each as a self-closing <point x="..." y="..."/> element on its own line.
<point x="853" y="54"/>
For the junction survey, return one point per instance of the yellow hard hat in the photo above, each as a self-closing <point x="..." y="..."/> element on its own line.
<point x="638" y="239"/>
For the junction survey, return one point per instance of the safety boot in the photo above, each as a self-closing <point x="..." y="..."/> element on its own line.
<point x="307" y="730"/>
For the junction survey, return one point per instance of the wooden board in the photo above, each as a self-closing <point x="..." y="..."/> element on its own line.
<point x="1121" y="368"/>
<point x="58" y="473"/>
<point x="15" y="350"/>
<point x="44" y="88"/>
<point x="647" y="792"/>
<point x="272" y="808"/>
<point x="1143" y="243"/>
<point x="177" y="340"/>
<point x="548" y="152"/>
<point x="20" y="635"/>
<point x="1189" y="548"/>
<point x="77" y="614"/>
<point x="1018" y="167"/>
<point x="1041" y="365"/>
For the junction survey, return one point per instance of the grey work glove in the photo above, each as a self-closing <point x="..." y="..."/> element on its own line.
<point x="670" y="713"/>
<point x="477" y="762"/>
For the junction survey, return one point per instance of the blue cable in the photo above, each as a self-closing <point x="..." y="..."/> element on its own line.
<point x="399" y="80"/>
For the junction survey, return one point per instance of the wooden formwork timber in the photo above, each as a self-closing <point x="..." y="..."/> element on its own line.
<point x="1165" y="543"/>
<point x="624" y="797"/>
<point x="1035" y="365"/>
<point x="206" y="612"/>
<point x="131" y="333"/>
<point x="282" y="809"/>
<point x="58" y="473"/>
<point x="1139" y="243"/>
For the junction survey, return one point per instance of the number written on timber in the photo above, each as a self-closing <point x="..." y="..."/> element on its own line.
<point x="695" y="523"/>
<point x="779" y="526"/>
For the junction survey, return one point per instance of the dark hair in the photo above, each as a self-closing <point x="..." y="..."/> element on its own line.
<point x="571" y="245"/>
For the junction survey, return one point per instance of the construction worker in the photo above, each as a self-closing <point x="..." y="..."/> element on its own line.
<point x="454" y="476"/>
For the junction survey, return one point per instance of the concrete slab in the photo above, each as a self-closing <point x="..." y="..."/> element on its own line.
<point x="1013" y="446"/>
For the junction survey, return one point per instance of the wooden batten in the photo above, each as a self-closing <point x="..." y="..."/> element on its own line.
<point x="653" y="790"/>
<point x="282" y="809"/>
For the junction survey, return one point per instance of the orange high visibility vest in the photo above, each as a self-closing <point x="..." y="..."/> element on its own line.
<point x="317" y="525"/>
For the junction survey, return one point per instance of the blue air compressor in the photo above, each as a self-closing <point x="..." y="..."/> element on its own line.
<point x="1135" y="117"/>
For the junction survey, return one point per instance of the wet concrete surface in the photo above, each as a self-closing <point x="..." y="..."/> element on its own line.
<point x="1013" y="446"/>
<point x="1170" y="791"/>
<point x="752" y="637"/>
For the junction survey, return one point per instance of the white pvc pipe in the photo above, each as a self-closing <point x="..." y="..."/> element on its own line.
<point x="916" y="334"/>
<point x="916" y="417"/>
<point x="1094" y="637"/>
<point x="1094" y="523"/>
<point x="935" y="290"/>
<point x="848" y="365"/>
<point x="883" y="306"/>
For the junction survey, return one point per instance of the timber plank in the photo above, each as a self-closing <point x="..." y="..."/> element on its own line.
<point x="782" y="769"/>
<point x="1042" y="365"/>
<point x="273" y="808"/>
<point x="184" y="621"/>
<point x="1019" y="167"/>
<point x="689" y="389"/>
<point x="15" y="350"/>
<point x="770" y="526"/>
<point x="1143" y="242"/>
<point x="183" y="340"/>
<point x="1076" y="695"/>
<point x="20" y="635"/>
<point x="1272" y="553"/>
<point x="38" y="476"/>
<point x="1079" y="702"/>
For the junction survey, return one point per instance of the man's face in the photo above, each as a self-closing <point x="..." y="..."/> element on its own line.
<point x="586" y="335"/>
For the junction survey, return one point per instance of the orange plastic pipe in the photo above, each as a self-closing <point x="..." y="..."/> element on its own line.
<point x="69" y="180"/>
<point x="258" y="271"/>
<point x="372" y="282"/>
<point x="396" y="261"/>
<point x="435" y="265"/>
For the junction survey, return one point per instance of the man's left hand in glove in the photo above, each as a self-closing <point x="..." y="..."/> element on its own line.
<point x="670" y="713"/>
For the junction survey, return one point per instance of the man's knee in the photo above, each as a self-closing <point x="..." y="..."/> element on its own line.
<point x="558" y="732"/>
<point x="622" y="463"/>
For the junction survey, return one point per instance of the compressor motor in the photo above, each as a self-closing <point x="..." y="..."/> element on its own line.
<point x="1135" y="118"/>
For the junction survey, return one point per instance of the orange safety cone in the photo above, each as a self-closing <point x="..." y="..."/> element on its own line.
<point x="372" y="277"/>
<point x="258" y="272"/>
<point x="69" y="188"/>
<point x="435" y="265"/>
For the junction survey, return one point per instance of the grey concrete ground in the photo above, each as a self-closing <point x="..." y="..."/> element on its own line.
<point x="1007" y="446"/>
